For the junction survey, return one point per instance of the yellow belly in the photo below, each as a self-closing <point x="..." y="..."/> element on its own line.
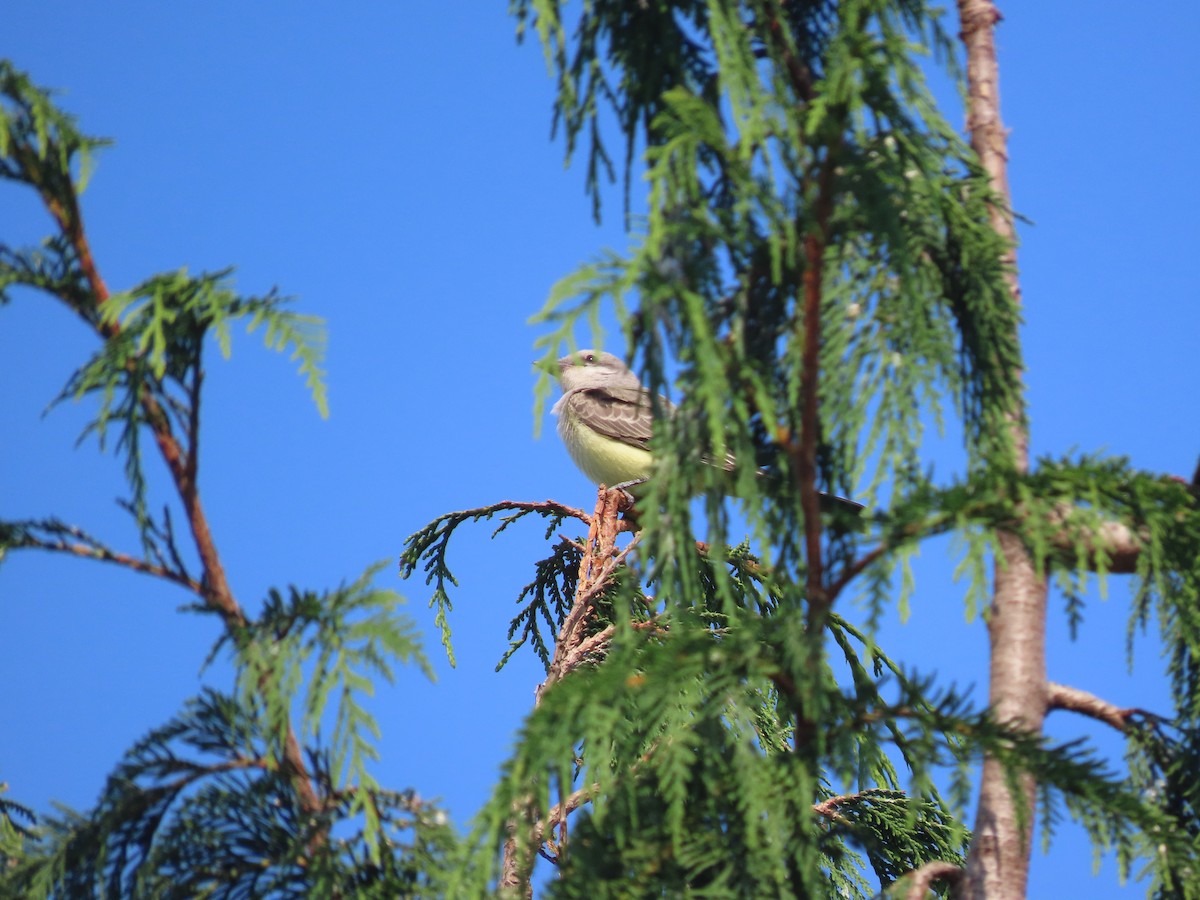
<point x="602" y="459"/>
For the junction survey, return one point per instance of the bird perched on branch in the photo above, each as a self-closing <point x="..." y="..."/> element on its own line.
<point x="606" y="418"/>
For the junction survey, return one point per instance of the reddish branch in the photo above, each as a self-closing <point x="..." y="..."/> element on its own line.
<point x="828" y="808"/>
<point x="857" y="567"/>
<point x="218" y="594"/>
<point x="557" y="815"/>
<point x="797" y="70"/>
<point x="600" y="559"/>
<point x="66" y="214"/>
<point x="804" y="452"/>
<point x="574" y="646"/>
<point x="810" y="423"/>
<point x="182" y="466"/>
<point x="104" y="554"/>
<point x="551" y="507"/>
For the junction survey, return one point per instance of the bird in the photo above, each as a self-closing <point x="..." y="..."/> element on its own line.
<point x="606" y="420"/>
<point x="605" y="417"/>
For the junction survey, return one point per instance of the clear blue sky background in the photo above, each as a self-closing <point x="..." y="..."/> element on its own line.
<point x="391" y="165"/>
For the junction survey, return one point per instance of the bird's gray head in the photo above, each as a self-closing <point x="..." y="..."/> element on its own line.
<point x="585" y="369"/>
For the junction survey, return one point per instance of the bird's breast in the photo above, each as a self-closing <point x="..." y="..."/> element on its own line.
<point x="603" y="459"/>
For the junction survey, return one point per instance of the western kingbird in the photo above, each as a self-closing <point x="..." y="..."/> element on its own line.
<point x="605" y="417"/>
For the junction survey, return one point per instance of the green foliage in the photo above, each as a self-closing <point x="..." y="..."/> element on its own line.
<point x="339" y="642"/>
<point x="231" y="799"/>
<point x="151" y="363"/>
<point x="39" y="143"/>
<point x="550" y="595"/>
<point x="689" y="794"/>
<point x="148" y="370"/>
<point x="818" y="268"/>
<point x="910" y="262"/>
<point x="164" y="317"/>
<point x="199" y="808"/>
<point x="554" y="580"/>
<point x="161" y="555"/>
<point x="15" y="822"/>
<point x="52" y="269"/>
<point x="806" y="196"/>
<point x="680" y="731"/>
<point x="349" y="636"/>
<point x="1163" y="759"/>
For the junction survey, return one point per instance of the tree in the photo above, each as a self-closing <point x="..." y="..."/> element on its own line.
<point x="823" y="263"/>
<point x="264" y="789"/>
<point x="825" y="260"/>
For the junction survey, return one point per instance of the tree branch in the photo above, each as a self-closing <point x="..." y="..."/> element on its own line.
<point x="215" y="586"/>
<point x="805" y="454"/>
<point x="917" y="882"/>
<point x="828" y="808"/>
<point x="1060" y="696"/>
<point x="1119" y="544"/>
<point x="599" y="561"/>
<point x="571" y="647"/>
<point x="89" y="548"/>
<point x="989" y="139"/>
<point x="69" y="218"/>
<point x="67" y="215"/>
<point x="857" y="567"/>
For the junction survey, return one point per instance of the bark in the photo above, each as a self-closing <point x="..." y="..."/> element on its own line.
<point x="998" y="864"/>
<point x="918" y="884"/>
<point x="1114" y="547"/>
<point x="1061" y="696"/>
<point x="571" y="649"/>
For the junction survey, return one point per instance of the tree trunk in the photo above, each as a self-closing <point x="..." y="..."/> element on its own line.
<point x="998" y="864"/>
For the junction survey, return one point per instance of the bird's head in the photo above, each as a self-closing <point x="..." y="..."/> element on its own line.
<point x="585" y="369"/>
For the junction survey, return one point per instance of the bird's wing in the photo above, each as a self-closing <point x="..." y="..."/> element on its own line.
<point x="624" y="414"/>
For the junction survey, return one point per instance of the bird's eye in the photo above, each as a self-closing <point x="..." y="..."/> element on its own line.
<point x="590" y="357"/>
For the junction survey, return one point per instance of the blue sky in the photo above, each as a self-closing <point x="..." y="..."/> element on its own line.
<point x="391" y="165"/>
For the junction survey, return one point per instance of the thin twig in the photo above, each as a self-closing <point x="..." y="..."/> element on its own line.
<point x="828" y="807"/>
<point x="856" y="568"/>
<point x="97" y="551"/>
<point x="550" y="506"/>
<point x="192" y="466"/>
<point x="168" y="537"/>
